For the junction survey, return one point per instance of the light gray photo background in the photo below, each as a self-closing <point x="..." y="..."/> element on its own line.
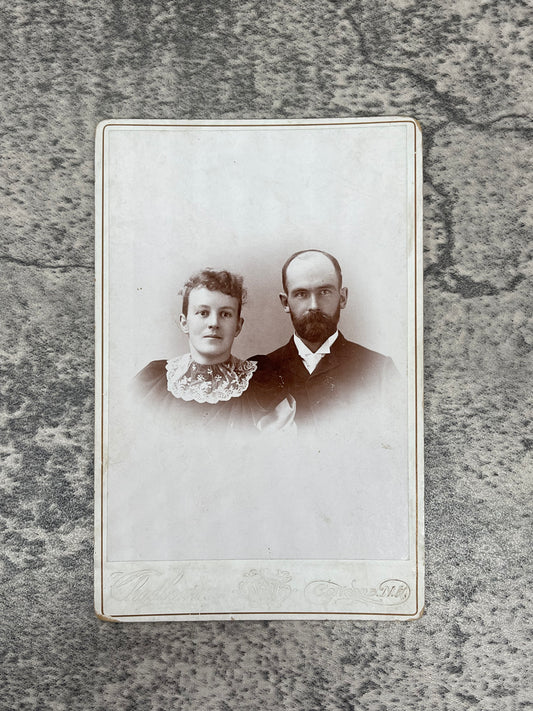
<point x="462" y="70"/>
<point x="177" y="199"/>
<point x="245" y="199"/>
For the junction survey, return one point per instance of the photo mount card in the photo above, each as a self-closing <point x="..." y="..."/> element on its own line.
<point x="259" y="375"/>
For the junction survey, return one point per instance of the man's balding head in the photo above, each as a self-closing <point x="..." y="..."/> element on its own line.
<point x="308" y="256"/>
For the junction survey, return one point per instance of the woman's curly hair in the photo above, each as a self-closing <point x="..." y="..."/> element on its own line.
<point x="223" y="281"/>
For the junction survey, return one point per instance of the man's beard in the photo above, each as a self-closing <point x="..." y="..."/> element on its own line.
<point x="316" y="326"/>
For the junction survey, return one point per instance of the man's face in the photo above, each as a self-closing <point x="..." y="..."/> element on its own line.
<point x="211" y="323"/>
<point x="314" y="297"/>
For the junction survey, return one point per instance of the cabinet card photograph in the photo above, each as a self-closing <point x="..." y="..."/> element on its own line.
<point x="259" y="442"/>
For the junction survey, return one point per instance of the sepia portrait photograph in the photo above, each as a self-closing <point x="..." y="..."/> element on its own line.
<point x="259" y="370"/>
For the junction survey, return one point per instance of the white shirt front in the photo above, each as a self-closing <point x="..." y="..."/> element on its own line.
<point x="310" y="359"/>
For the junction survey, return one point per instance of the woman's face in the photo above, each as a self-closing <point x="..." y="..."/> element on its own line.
<point x="211" y="323"/>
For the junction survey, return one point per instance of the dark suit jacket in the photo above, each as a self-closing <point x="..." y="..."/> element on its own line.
<point x="352" y="380"/>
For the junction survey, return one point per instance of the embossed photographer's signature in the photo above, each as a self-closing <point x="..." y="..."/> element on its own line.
<point x="145" y="584"/>
<point x="266" y="586"/>
<point x="388" y="593"/>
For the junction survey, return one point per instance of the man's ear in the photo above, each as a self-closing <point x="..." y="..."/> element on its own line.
<point x="344" y="297"/>
<point x="284" y="302"/>
<point x="239" y="326"/>
<point x="183" y="324"/>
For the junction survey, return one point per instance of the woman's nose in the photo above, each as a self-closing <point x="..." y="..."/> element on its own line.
<point x="212" y="321"/>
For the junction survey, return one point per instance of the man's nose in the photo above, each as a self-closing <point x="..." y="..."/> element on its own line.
<point x="313" y="302"/>
<point x="212" y="321"/>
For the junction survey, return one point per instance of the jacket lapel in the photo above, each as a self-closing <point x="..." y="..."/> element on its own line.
<point x="330" y="361"/>
<point x="334" y="358"/>
<point x="293" y="361"/>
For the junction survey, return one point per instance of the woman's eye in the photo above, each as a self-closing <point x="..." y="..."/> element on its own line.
<point x="226" y="314"/>
<point x="202" y="313"/>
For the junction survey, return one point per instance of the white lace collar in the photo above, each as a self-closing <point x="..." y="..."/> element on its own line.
<point x="189" y="380"/>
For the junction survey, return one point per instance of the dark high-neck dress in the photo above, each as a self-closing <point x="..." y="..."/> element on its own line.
<point x="237" y="395"/>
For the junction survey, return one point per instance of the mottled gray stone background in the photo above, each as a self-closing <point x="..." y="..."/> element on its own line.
<point x="462" y="69"/>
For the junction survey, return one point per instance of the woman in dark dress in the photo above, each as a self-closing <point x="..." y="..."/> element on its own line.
<point x="209" y="385"/>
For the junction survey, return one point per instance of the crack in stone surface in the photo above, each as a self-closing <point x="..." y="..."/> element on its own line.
<point x="42" y="265"/>
<point x="445" y="98"/>
<point x="443" y="268"/>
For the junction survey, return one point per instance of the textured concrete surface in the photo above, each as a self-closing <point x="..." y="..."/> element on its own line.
<point x="462" y="69"/>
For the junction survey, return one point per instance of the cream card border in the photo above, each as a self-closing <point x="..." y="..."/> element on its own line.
<point x="265" y="589"/>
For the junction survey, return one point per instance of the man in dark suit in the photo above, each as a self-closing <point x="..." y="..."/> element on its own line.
<point x="336" y="383"/>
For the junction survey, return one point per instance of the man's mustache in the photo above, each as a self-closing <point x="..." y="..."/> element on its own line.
<point x="315" y="325"/>
<point x="316" y="315"/>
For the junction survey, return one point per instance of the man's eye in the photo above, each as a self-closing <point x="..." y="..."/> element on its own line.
<point x="203" y="312"/>
<point x="325" y="292"/>
<point x="226" y="314"/>
<point x="300" y="294"/>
